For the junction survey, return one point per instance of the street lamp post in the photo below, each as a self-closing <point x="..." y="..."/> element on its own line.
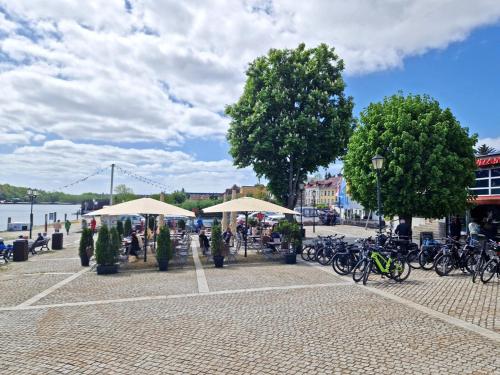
<point x="301" y="189"/>
<point x="32" y="195"/>
<point x="314" y="210"/>
<point x="378" y="163"/>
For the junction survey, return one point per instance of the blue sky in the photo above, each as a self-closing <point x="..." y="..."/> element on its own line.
<point x="465" y="77"/>
<point x="144" y="83"/>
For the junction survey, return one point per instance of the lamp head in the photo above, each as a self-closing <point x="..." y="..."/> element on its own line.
<point x="378" y="162"/>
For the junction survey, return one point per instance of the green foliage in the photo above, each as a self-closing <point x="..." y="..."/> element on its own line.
<point x="164" y="248"/>
<point x="128" y="227"/>
<point x="293" y="102"/>
<point x="123" y="194"/>
<point x="181" y="224"/>
<point x="17" y="193"/>
<point x="484" y="149"/>
<point x="429" y="158"/>
<point x="105" y="249"/>
<point x="119" y="228"/>
<point x="290" y="232"/>
<point x="116" y="241"/>
<point x="86" y="242"/>
<point x="253" y="222"/>
<point x="216" y="240"/>
<point x="199" y="205"/>
<point x="177" y="197"/>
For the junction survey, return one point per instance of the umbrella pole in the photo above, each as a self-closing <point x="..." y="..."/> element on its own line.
<point x="146" y="238"/>
<point x="246" y="232"/>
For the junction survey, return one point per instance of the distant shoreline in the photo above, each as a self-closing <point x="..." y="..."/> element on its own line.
<point x="41" y="203"/>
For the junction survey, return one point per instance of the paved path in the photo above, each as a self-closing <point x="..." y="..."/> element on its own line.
<point x="256" y="317"/>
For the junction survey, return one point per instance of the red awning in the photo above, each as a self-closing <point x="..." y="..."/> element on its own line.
<point x="487" y="161"/>
<point x="487" y="199"/>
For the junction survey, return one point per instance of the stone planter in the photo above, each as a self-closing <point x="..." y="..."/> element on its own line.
<point x="107" y="269"/>
<point x="163" y="264"/>
<point x="218" y="261"/>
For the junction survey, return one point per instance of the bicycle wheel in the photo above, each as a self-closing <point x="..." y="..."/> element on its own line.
<point x="342" y="263"/>
<point x="322" y="257"/>
<point x="359" y="269"/>
<point x="400" y="270"/>
<point x="478" y="268"/>
<point x="412" y="259"/>
<point x="366" y="272"/>
<point x="311" y="254"/>
<point x="303" y="254"/>
<point x="426" y="260"/>
<point x="489" y="270"/>
<point x="443" y="265"/>
<point x="470" y="262"/>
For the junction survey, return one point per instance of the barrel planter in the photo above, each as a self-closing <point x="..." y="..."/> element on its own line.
<point x="107" y="269"/>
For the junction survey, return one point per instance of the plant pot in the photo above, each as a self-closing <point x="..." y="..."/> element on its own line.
<point x="218" y="261"/>
<point x="291" y="258"/>
<point x="84" y="259"/>
<point x="107" y="269"/>
<point x="163" y="264"/>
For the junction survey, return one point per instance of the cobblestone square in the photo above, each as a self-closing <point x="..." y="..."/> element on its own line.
<point x="257" y="317"/>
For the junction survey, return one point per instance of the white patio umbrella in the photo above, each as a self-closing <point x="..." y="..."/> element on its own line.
<point x="246" y="205"/>
<point x="145" y="207"/>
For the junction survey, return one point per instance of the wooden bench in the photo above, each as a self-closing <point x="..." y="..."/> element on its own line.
<point x="43" y="245"/>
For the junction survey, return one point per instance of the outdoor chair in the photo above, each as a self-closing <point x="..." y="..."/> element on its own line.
<point x="232" y="254"/>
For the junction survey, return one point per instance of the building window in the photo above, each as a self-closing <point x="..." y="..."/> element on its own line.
<point x="495" y="191"/>
<point x="480" y="191"/>
<point x="483" y="173"/>
<point x="482" y="183"/>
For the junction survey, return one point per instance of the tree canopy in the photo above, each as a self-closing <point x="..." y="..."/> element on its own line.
<point x="429" y="158"/>
<point x="123" y="194"/>
<point x="292" y="117"/>
<point x="484" y="149"/>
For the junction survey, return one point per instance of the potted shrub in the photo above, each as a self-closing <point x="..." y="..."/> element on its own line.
<point x="106" y="251"/>
<point x="216" y="245"/>
<point x="119" y="228"/>
<point x="164" y="249"/>
<point x="290" y="235"/>
<point x="128" y="227"/>
<point x="86" y="248"/>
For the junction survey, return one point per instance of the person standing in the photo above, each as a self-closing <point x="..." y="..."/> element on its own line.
<point x="57" y="226"/>
<point x="93" y="225"/>
<point x="403" y="230"/>
<point x="67" y="225"/>
<point x="455" y="228"/>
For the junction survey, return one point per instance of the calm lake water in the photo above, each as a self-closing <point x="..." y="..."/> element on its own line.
<point x="21" y="213"/>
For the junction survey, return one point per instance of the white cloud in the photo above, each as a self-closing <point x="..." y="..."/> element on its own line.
<point x="60" y="162"/>
<point x="165" y="70"/>
<point x="88" y="71"/>
<point x="492" y="142"/>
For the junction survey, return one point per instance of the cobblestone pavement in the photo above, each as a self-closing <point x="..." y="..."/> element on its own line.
<point x="258" y="317"/>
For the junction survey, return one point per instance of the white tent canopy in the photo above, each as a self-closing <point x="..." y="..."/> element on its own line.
<point x="246" y="205"/>
<point x="142" y="206"/>
<point x="249" y="204"/>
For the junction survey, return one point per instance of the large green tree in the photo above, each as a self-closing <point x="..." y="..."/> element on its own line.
<point x="429" y="158"/>
<point x="292" y="117"/>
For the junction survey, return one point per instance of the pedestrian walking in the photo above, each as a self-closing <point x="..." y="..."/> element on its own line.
<point x="67" y="225"/>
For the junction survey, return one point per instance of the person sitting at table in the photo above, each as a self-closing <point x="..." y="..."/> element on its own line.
<point x="134" y="245"/>
<point x="275" y="235"/>
<point x="227" y="235"/>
